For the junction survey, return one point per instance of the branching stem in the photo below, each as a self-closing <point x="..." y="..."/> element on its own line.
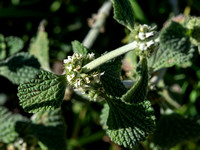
<point x="101" y="60"/>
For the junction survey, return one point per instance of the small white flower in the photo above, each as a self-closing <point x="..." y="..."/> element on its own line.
<point x="69" y="67"/>
<point x="80" y="56"/>
<point x="149" y="34"/>
<point x="148" y="44"/>
<point x="91" y="55"/>
<point x="145" y="46"/>
<point x="77" y="83"/>
<point x="77" y="56"/>
<point x="96" y="78"/>
<point x="102" y="73"/>
<point x="144" y="27"/>
<point x="70" y="77"/>
<point x="142" y="47"/>
<point x="69" y="58"/>
<point x="87" y="80"/>
<point x="66" y="61"/>
<point x="141" y="36"/>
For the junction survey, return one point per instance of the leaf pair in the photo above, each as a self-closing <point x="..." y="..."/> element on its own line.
<point x="129" y="119"/>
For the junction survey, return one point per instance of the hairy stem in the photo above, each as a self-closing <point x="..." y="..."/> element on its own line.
<point x="103" y="13"/>
<point x="101" y="60"/>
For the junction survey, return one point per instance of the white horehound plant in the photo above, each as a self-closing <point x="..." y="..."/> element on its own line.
<point x="127" y="116"/>
<point x="47" y="90"/>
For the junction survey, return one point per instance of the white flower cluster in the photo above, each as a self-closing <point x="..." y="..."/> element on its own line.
<point x="82" y="81"/>
<point x="145" y="37"/>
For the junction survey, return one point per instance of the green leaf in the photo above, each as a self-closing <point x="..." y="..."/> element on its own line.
<point x="49" y="128"/>
<point x="167" y="58"/>
<point x="14" y="44"/>
<point x="39" y="47"/>
<point x="20" y="68"/>
<point x="175" y="129"/>
<point x="44" y="92"/>
<point x="199" y="48"/>
<point x="193" y="25"/>
<point x="8" y="130"/>
<point x="48" y="118"/>
<point x="9" y="46"/>
<point x="174" y="38"/>
<point x="127" y="124"/>
<point x="111" y="78"/>
<point x="175" y="47"/>
<point x="139" y="90"/>
<point x="79" y="48"/>
<point x="123" y="13"/>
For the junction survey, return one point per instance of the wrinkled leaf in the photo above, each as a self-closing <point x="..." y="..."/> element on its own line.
<point x="9" y="46"/>
<point x="8" y="130"/>
<point x="49" y="128"/>
<point x="175" y="47"/>
<point x="13" y="44"/>
<point x="44" y="92"/>
<point x="174" y="38"/>
<point x="20" y="68"/>
<point x="193" y="25"/>
<point x="123" y="13"/>
<point x="39" y="47"/>
<point x="139" y="90"/>
<point x="79" y="48"/>
<point x="111" y="78"/>
<point x="127" y="124"/>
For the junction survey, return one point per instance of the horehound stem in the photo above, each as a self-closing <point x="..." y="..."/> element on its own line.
<point x="103" y="13"/>
<point x="101" y="60"/>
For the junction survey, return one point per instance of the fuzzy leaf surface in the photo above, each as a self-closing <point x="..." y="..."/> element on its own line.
<point x="127" y="124"/>
<point x="174" y="37"/>
<point x="44" y="92"/>
<point x="111" y="78"/>
<point x="8" y="130"/>
<point x="193" y="25"/>
<point x="20" y="68"/>
<point x="44" y="122"/>
<point x="123" y="13"/>
<point x="175" y="129"/>
<point x="9" y="46"/>
<point x="13" y="44"/>
<point x="175" y="47"/>
<point x="79" y="48"/>
<point x="39" y="47"/>
<point x="139" y="90"/>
